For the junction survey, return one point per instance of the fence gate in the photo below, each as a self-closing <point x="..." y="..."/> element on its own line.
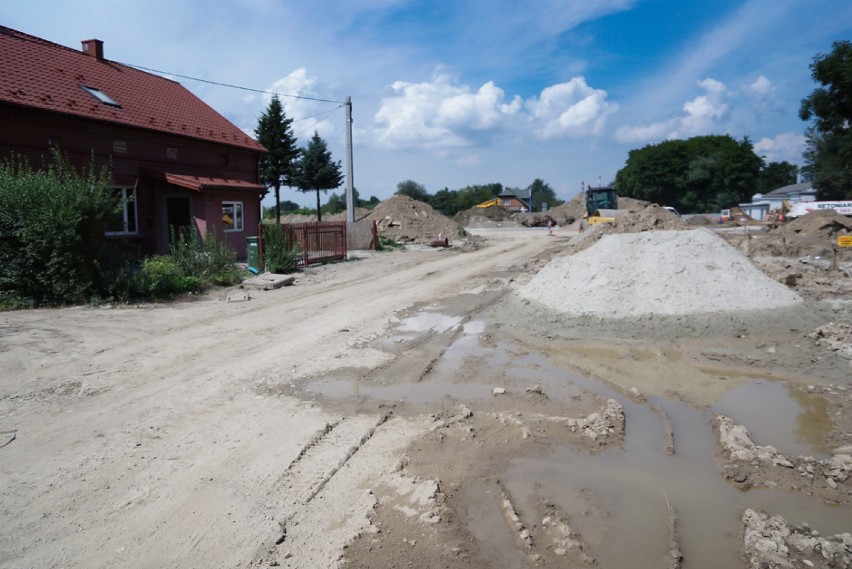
<point x="319" y="242"/>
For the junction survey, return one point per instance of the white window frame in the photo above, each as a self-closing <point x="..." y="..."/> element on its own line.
<point x="127" y="216"/>
<point x="239" y="219"/>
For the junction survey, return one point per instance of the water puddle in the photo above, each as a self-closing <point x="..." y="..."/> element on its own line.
<point x="619" y="500"/>
<point x="429" y="321"/>
<point x="441" y="383"/>
<point x="792" y="421"/>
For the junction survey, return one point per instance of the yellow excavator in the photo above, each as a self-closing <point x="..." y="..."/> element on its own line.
<point x="489" y="203"/>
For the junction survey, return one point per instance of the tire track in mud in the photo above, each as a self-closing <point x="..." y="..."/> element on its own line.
<point x="324" y="497"/>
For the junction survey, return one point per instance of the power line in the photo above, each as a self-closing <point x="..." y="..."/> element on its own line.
<point x="229" y="85"/>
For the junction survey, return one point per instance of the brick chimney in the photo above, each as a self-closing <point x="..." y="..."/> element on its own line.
<point x="95" y="48"/>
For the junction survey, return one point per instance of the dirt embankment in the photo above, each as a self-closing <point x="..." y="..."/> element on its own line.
<point x="411" y="221"/>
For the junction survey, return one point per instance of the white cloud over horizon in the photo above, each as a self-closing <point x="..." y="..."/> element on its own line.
<point x="701" y="116"/>
<point x="787" y="146"/>
<point x="441" y="113"/>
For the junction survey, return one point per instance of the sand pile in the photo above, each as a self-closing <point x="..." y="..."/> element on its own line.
<point x="494" y="216"/>
<point x="821" y="224"/>
<point x="655" y="272"/>
<point x="812" y="234"/>
<point x="407" y="220"/>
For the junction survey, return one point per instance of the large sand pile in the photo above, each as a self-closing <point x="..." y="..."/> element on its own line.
<point x="407" y="220"/>
<point x="656" y="272"/>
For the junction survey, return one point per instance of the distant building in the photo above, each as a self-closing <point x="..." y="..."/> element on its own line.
<point x="515" y="200"/>
<point x="176" y="162"/>
<point x="763" y="204"/>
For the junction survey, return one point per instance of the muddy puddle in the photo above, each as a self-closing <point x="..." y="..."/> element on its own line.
<point x="619" y="499"/>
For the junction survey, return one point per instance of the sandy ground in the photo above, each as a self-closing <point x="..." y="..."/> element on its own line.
<point x="371" y="415"/>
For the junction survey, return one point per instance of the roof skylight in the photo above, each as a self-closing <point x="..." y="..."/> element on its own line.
<point x="101" y="96"/>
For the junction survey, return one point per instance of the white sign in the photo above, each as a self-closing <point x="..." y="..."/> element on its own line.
<point x="802" y="208"/>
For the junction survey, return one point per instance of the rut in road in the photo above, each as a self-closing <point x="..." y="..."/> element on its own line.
<point x="325" y="453"/>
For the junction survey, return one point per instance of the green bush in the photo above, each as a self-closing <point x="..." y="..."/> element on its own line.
<point x="212" y="261"/>
<point x="52" y="245"/>
<point x="163" y="277"/>
<point x="281" y="254"/>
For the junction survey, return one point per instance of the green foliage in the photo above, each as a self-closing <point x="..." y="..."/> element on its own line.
<point x="701" y="174"/>
<point x="211" y="261"/>
<point x="281" y="252"/>
<point x="285" y="207"/>
<point x="277" y="168"/>
<point x="828" y="154"/>
<point x="52" y="245"/>
<point x="542" y="193"/>
<point x="316" y="171"/>
<point x="386" y="243"/>
<point x="413" y="190"/>
<point x="163" y="277"/>
<point x="469" y="196"/>
<point x="776" y="175"/>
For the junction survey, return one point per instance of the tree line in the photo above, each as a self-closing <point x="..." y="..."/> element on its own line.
<point x="450" y="202"/>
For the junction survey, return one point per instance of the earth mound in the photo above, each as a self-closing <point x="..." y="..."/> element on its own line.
<point x="656" y="273"/>
<point x="494" y="216"/>
<point x="407" y="220"/>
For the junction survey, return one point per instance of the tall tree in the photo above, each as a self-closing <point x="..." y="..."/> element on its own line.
<point x="776" y="175"/>
<point x="828" y="153"/>
<point x="701" y="174"/>
<point x="316" y="171"/>
<point x="275" y="133"/>
<point x="542" y="193"/>
<point x="413" y="190"/>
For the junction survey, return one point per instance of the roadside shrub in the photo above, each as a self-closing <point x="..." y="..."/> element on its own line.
<point x="163" y="277"/>
<point x="212" y="261"/>
<point x="280" y="255"/>
<point x="52" y="245"/>
<point x="386" y="243"/>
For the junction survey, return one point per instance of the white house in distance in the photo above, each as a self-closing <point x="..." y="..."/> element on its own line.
<point x="762" y="204"/>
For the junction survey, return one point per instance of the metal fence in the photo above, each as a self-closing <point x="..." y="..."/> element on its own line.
<point x="318" y="242"/>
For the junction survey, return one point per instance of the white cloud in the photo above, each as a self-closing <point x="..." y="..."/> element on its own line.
<point x="569" y="109"/>
<point x="786" y="146"/>
<point x="760" y="87"/>
<point x="701" y="116"/>
<point x="307" y="114"/>
<point x="440" y="114"/>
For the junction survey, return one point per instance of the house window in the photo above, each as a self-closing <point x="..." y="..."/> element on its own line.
<point x="172" y="153"/>
<point x="124" y="222"/>
<point x="507" y="201"/>
<point x="232" y="216"/>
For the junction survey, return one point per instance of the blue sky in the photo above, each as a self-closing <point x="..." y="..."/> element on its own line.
<point x="451" y="93"/>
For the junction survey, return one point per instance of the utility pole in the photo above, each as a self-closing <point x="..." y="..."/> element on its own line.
<point x="350" y="186"/>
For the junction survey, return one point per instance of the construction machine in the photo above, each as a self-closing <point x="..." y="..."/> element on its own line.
<point x="489" y="203"/>
<point x="602" y="205"/>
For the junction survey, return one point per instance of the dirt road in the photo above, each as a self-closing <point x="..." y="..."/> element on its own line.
<point x="143" y="440"/>
<point x="388" y="411"/>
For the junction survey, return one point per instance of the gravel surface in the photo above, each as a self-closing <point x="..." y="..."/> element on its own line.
<point x="656" y="272"/>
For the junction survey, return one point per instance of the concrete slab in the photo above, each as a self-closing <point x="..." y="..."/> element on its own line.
<point x="269" y="281"/>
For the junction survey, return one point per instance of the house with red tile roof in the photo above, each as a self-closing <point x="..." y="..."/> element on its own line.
<point x="176" y="163"/>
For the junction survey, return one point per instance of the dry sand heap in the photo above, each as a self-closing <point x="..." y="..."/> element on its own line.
<point x="656" y="272"/>
<point x="407" y="220"/>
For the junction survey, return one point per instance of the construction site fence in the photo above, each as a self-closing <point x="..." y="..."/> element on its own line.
<point x="324" y="241"/>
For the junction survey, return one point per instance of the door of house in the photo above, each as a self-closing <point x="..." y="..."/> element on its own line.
<point x="178" y="216"/>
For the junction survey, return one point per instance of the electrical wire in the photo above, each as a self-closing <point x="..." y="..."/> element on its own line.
<point x="231" y="86"/>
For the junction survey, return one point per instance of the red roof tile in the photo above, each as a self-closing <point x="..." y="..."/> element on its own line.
<point x="201" y="183"/>
<point x="39" y="74"/>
